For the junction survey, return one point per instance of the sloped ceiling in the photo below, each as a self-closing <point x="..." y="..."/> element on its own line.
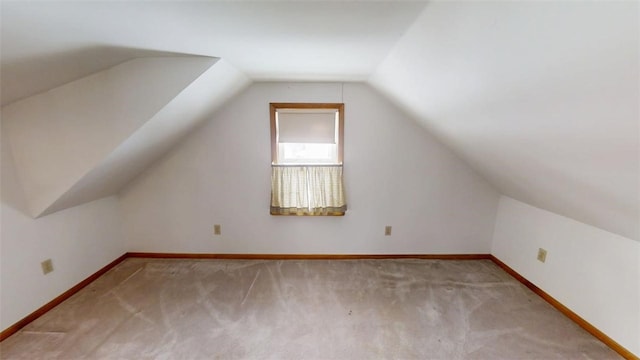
<point x="539" y="97"/>
<point x="265" y="40"/>
<point x="25" y="76"/>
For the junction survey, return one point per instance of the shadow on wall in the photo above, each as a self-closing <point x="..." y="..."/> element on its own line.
<point x="10" y="190"/>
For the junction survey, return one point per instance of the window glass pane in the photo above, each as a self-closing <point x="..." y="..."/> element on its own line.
<point x="307" y="153"/>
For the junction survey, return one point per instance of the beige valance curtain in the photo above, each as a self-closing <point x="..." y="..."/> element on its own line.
<point x="307" y="190"/>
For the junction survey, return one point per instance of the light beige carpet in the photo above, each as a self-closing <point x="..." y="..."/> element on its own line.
<point x="355" y="309"/>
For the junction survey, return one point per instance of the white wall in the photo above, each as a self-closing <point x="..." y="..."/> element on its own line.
<point x="593" y="272"/>
<point x="395" y="174"/>
<point x="60" y="135"/>
<point x="193" y="105"/>
<point x="80" y="241"/>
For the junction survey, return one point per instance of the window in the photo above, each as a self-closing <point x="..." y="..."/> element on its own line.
<point x="306" y="159"/>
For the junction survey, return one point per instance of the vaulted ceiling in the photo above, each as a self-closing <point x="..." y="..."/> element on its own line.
<point x="541" y="98"/>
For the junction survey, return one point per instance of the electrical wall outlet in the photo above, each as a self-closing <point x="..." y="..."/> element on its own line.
<point x="217" y="229"/>
<point x="542" y="255"/>
<point x="47" y="266"/>
<point x="387" y="230"/>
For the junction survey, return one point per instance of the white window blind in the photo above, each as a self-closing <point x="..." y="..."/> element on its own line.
<point x="307" y="126"/>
